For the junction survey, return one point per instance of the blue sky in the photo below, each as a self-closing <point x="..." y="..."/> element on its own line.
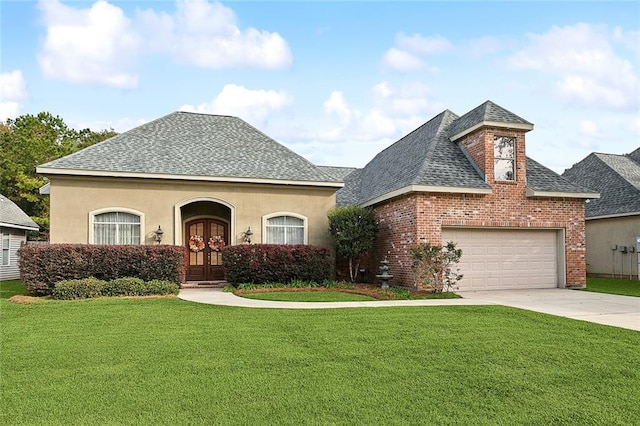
<point x="334" y="81"/>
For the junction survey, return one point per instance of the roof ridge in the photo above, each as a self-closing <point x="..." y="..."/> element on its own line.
<point x="408" y="134"/>
<point x="442" y="127"/>
<point x="202" y="113"/>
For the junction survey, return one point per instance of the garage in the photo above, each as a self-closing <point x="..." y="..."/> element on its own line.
<point x="498" y="259"/>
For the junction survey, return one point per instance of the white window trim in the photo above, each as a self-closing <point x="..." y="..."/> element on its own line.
<point x="515" y="141"/>
<point x="94" y="213"/>
<point x="305" y="223"/>
<point x="8" y="248"/>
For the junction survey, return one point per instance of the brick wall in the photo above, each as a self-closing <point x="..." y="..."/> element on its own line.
<point x="409" y="219"/>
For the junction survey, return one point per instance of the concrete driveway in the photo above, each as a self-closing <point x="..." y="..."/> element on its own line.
<point x="608" y="309"/>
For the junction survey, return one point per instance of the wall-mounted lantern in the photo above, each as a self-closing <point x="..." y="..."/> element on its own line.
<point x="159" y="232"/>
<point x="247" y="236"/>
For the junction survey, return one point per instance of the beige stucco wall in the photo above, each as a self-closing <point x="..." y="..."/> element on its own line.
<point x="73" y="198"/>
<point x="602" y="234"/>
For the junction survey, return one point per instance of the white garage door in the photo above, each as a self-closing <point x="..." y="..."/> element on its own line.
<point x="506" y="259"/>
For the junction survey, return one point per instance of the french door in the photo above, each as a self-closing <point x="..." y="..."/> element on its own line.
<point x="204" y="238"/>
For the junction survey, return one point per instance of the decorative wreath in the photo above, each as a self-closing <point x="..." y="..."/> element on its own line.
<point x="216" y="243"/>
<point x="196" y="243"/>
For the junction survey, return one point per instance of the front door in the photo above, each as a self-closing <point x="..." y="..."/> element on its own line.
<point x="204" y="239"/>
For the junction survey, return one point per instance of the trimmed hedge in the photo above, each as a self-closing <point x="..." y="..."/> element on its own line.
<point x="264" y="263"/>
<point x="42" y="266"/>
<point x="87" y="288"/>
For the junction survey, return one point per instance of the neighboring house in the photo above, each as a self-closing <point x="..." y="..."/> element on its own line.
<point x="467" y="179"/>
<point x="14" y="224"/>
<point x="520" y="224"/>
<point x="613" y="221"/>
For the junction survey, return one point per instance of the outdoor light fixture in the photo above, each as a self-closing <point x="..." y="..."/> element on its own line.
<point x="247" y="236"/>
<point x="159" y="233"/>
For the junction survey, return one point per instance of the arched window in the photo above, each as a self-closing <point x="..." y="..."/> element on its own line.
<point x="116" y="227"/>
<point x="285" y="229"/>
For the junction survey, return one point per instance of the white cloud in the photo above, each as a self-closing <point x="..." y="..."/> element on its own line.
<point x="400" y="60"/>
<point x="88" y="46"/>
<point x="488" y="45"/>
<point x="406" y="55"/>
<point x="424" y="45"/>
<point x="13" y="89"/>
<point x="9" y="110"/>
<point x="394" y="112"/>
<point x="207" y="35"/>
<point x="336" y="104"/>
<point x="12" y="86"/>
<point x="590" y="129"/>
<point x="99" y="45"/>
<point x="253" y="106"/>
<point x="588" y="70"/>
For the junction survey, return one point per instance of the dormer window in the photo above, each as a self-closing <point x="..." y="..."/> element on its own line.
<point x="504" y="158"/>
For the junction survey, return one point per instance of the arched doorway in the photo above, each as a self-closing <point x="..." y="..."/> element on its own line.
<point x="205" y="226"/>
<point x="205" y="239"/>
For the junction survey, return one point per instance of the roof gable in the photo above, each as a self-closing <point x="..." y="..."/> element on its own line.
<point x="12" y="216"/>
<point x="193" y="146"/>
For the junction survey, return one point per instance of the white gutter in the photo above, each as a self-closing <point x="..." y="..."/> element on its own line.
<point x="101" y="173"/>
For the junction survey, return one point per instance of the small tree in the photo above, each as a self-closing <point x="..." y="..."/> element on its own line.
<point x="353" y="230"/>
<point x="436" y="267"/>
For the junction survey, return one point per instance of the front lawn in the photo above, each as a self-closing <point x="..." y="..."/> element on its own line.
<point x="623" y="286"/>
<point x="167" y="361"/>
<point x="11" y="288"/>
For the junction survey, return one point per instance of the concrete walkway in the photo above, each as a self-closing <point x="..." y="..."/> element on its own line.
<point x="215" y="296"/>
<point x="608" y="309"/>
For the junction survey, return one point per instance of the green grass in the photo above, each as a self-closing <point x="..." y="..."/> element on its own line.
<point x="614" y="286"/>
<point x="308" y="296"/>
<point x="11" y="288"/>
<point x="167" y="361"/>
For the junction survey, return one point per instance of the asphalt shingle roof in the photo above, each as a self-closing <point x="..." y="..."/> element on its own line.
<point x="428" y="157"/>
<point x="615" y="177"/>
<point x="12" y="216"/>
<point x="190" y="144"/>
<point x="488" y="111"/>
<point x="338" y="173"/>
<point x="541" y="178"/>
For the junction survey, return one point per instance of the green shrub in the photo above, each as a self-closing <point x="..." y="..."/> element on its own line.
<point x="125" y="286"/>
<point x="42" y="266"/>
<point x="84" y="288"/>
<point x="161" y="287"/>
<point x="275" y="263"/>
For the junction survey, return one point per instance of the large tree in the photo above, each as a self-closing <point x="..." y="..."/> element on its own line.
<point x="30" y="140"/>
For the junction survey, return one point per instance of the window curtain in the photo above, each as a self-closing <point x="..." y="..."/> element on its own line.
<point x="116" y="228"/>
<point x="285" y="230"/>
